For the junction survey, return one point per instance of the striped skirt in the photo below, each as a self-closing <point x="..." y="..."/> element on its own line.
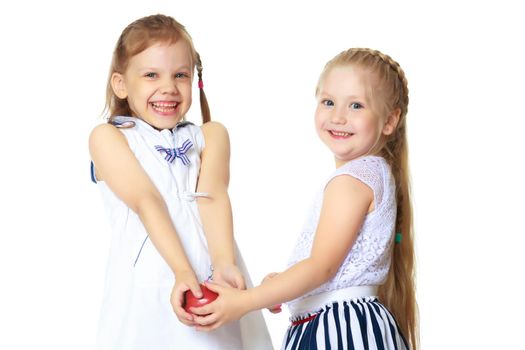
<point x="358" y="323"/>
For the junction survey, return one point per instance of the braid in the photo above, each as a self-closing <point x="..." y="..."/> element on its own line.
<point x="394" y="66"/>
<point x="402" y="78"/>
<point x="205" y="109"/>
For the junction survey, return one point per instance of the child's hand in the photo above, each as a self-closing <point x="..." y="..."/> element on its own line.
<point x="276" y="308"/>
<point x="184" y="281"/>
<point x="231" y="305"/>
<point x="228" y="275"/>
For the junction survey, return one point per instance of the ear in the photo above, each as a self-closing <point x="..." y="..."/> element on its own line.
<point x="391" y="122"/>
<point x="118" y="85"/>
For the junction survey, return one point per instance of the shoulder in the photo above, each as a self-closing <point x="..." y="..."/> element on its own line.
<point x="105" y="132"/>
<point x="370" y="169"/>
<point x="104" y="136"/>
<point x="215" y="135"/>
<point x="368" y="163"/>
<point x="214" y="130"/>
<point x="342" y="188"/>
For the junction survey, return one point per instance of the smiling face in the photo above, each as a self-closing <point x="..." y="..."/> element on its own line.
<point x="157" y="84"/>
<point x="344" y="118"/>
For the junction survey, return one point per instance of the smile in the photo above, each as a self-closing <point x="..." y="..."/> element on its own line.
<point x="164" y="107"/>
<point x="339" y="133"/>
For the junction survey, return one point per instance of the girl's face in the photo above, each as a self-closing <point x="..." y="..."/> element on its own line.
<point x="157" y="84"/>
<point x="344" y="119"/>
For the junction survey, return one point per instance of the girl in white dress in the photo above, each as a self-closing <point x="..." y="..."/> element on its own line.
<point x="164" y="183"/>
<point x="350" y="282"/>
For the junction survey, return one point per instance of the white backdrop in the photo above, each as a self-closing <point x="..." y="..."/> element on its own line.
<point x="465" y="67"/>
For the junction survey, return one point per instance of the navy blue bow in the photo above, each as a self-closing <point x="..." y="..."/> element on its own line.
<point x="172" y="153"/>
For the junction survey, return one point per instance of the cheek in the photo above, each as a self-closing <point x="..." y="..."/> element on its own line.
<point x="186" y="91"/>
<point x="318" y="127"/>
<point x="318" y="120"/>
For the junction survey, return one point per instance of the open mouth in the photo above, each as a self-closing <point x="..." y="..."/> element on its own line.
<point x="164" y="107"/>
<point x="340" y="134"/>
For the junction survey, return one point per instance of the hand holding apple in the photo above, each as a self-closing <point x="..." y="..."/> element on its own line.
<point x="191" y="301"/>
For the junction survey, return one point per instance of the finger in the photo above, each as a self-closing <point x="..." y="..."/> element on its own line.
<point x="186" y="322"/>
<point x="196" y="289"/>
<point x="220" y="281"/>
<point x="208" y="328"/>
<point x="206" y="320"/>
<point x="214" y="287"/>
<point x="177" y="302"/>
<point x="203" y="310"/>
<point x="275" y="310"/>
<point x="239" y="281"/>
<point x="184" y="316"/>
<point x="178" y="298"/>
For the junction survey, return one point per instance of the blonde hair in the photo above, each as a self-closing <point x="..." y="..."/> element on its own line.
<point x="387" y="91"/>
<point x="137" y="37"/>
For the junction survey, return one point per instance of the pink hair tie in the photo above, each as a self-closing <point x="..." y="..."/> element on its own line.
<point x="201" y="84"/>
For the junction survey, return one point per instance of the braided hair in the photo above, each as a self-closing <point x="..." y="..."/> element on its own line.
<point x="387" y="91"/>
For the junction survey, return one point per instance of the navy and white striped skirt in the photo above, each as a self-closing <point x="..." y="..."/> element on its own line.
<point x="358" y="323"/>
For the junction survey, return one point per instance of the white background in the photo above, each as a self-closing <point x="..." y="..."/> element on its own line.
<point x="465" y="66"/>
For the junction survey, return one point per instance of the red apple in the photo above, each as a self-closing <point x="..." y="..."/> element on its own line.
<point x="191" y="301"/>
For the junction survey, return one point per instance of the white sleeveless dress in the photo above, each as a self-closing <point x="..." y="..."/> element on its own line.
<point x="136" y="310"/>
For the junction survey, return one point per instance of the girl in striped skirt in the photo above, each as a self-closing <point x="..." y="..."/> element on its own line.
<point x="350" y="282"/>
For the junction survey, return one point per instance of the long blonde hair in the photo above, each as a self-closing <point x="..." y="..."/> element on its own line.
<point x="137" y="37"/>
<point x="388" y="91"/>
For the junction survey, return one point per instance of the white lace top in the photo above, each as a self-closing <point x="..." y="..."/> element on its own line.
<point x="368" y="261"/>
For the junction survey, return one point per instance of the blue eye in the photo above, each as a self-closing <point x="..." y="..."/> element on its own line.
<point x="150" y="75"/>
<point x="356" y="105"/>
<point x="328" y="103"/>
<point x="182" y="75"/>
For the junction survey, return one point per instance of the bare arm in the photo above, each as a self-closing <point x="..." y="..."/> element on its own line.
<point x="119" y="168"/>
<point x="215" y="210"/>
<point x="346" y="203"/>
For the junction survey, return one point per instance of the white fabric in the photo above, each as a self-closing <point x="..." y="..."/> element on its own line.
<point x="368" y="261"/>
<point x="311" y="304"/>
<point x="136" y="311"/>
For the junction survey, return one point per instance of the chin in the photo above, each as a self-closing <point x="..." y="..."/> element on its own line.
<point x="165" y="123"/>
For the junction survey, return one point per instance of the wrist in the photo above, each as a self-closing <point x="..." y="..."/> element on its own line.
<point x="185" y="271"/>
<point x="248" y="300"/>
<point x="222" y="262"/>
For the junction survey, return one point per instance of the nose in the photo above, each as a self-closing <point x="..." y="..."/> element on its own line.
<point x="169" y="86"/>
<point x="338" y="116"/>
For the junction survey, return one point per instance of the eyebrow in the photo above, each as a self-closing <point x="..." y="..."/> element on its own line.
<point x="324" y="93"/>
<point x="156" y="68"/>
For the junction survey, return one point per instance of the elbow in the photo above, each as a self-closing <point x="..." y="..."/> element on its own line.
<point x="324" y="271"/>
<point x="329" y="273"/>
<point x="145" y="202"/>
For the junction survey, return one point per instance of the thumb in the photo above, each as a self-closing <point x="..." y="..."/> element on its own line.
<point x="214" y="287"/>
<point x="196" y="290"/>
<point x="239" y="282"/>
